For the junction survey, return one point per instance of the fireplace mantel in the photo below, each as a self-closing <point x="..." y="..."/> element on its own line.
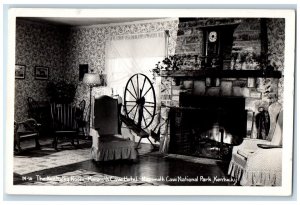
<point x="192" y="74"/>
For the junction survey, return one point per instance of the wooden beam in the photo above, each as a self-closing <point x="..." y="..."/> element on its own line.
<point x="221" y="74"/>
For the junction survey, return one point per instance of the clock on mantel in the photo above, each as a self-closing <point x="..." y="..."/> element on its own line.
<point x="212" y="36"/>
<point x="212" y="44"/>
<point x="217" y="45"/>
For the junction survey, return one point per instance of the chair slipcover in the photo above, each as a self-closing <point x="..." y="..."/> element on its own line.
<point x="107" y="143"/>
<point x="252" y="165"/>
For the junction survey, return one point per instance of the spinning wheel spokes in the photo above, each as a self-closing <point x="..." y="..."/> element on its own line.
<point x="139" y="100"/>
<point x="148" y="111"/>
<point x="143" y="85"/>
<point x="132" y="108"/>
<point x="136" y="95"/>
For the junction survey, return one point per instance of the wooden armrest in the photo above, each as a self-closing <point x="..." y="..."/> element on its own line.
<point x="30" y="124"/>
<point x="28" y="121"/>
<point x="266" y="146"/>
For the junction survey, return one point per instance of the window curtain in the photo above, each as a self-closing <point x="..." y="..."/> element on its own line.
<point x="129" y="55"/>
<point x="132" y="54"/>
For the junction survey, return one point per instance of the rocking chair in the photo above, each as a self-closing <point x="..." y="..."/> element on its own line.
<point x="26" y="129"/>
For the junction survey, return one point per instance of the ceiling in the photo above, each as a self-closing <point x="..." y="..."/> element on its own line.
<point x="68" y="21"/>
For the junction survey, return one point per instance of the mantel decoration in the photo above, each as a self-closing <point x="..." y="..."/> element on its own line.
<point x="61" y="92"/>
<point x="239" y="61"/>
<point x="251" y="61"/>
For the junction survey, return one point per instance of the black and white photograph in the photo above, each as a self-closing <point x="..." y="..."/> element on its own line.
<point x="190" y="101"/>
<point x="41" y="72"/>
<point x="20" y="71"/>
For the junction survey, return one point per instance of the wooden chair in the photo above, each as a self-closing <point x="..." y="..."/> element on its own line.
<point x="32" y="108"/>
<point x="64" y="122"/>
<point x="26" y="129"/>
<point x="108" y="144"/>
<point x="40" y="111"/>
<point x="81" y="118"/>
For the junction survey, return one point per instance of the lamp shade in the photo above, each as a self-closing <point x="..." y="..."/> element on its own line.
<point x="91" y="79"/>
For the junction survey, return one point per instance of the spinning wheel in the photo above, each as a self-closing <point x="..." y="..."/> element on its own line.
<point x="139" y="100"/>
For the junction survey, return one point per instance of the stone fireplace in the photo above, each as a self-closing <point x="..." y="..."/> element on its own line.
<point x="205" y="126"/>
<point x="209" y="108"/>
<point x="196" y="106"/>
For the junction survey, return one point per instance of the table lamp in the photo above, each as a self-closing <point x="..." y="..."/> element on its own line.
<point x="91" y="80"/>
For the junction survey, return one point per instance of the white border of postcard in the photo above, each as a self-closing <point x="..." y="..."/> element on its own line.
<point x="283" y="190"/>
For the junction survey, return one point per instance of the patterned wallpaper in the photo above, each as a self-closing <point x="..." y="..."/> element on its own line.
<point x="36" y="45"/>
<point x="276" y="37"/>
<point x="62" y="49"/>
<point x="276" y="42"/>
<point x="86" y="45"/>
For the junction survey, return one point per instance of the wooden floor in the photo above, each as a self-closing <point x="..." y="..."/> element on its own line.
<point x="153" y="165"/>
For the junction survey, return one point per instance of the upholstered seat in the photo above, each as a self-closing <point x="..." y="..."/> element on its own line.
<point x="258" y="162"/>
<point x="108" y="144"/>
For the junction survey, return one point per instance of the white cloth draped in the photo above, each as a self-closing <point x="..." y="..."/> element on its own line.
<point x="132" y="54"/>
<point x="126" y="57"/>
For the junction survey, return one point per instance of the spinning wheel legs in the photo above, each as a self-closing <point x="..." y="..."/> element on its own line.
<point x="138" y="147"/>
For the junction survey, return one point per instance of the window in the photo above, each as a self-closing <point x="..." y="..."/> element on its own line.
<point x="132" y="54"/>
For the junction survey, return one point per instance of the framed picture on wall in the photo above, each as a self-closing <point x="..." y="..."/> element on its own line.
<point x="20" y="71"/>
<point x="83" y="69"/>
<point x="41" y="73"/>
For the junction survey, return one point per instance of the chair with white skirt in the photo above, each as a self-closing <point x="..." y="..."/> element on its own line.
<point x="108" y="144"/>
<point x="258" y="162"/>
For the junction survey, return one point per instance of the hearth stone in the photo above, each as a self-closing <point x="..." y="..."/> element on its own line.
<point x="188" y="84"/>
<point x="255" y="94"/>
<point x="213" y="91"/>
<point x="251" y="83"/>
<point x="199" y="87"/>
<point x="238" y="91"/>
<point x="239" y="83"/>
<point x="175" y="98"/>
<point x="165" y="97"/>
<point x="226" y="88"/>
<point x="174" y="103"/>
<point x="175" y="91"/>
<point x="208" y="82"/>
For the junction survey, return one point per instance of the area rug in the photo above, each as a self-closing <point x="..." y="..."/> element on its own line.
<point x="31" y="160"/>
<point x="198" y="160"/>
<point x="83" y="177"/>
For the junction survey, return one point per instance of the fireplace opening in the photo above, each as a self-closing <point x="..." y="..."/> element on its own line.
<point x="204" y="126"/>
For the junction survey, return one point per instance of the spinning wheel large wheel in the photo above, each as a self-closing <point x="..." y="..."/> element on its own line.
<point x="139" y="100"/>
